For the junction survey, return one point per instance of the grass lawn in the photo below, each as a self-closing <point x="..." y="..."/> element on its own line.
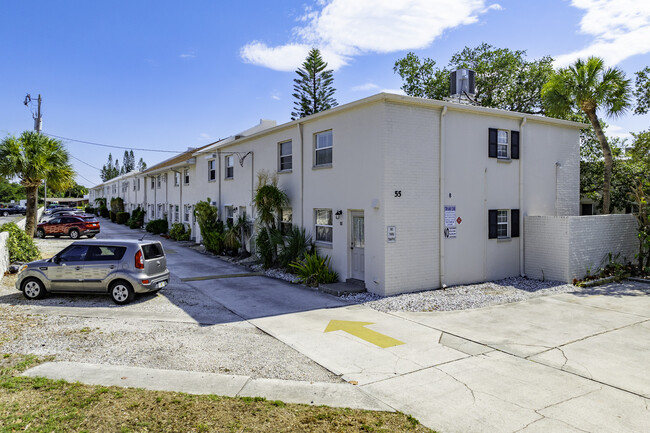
<point x="44" y="405"/>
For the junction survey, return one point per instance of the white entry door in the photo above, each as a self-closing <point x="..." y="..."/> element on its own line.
<point x="357" y="246"/>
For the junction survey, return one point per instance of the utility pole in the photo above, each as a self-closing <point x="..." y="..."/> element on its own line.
<point x="38" y="127"/>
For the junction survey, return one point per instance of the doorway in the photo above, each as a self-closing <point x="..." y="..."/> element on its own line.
<point x="357" y="246"/>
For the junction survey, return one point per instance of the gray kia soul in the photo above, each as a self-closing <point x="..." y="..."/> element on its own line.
<point x="121" y="268"/>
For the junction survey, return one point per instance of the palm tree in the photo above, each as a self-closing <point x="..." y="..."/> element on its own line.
<point x="268" y="201"/>
<point x="589" y="86"/>
<point x="32" y="158"/>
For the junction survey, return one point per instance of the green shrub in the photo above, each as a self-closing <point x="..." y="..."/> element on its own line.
<point x="178" y="232"/>
<point x="265" y="247"/>
<point x="112" y="215"/>
<point x="117" y="205"/>
<point x="295" y="246"/>
<point x="231" y="240"/>
<point x="89" y="209"/>
<point x="20" y="245"/>
<point x="213" y="242"/>
<point x="122" y="217"/>
<point x="314" y="270"/>
<point x="137" y="219"/>
<point x="103" y="211"/>
<point x="157" y="226"/>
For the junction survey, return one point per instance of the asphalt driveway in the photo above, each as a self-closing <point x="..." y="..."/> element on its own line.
<point x="571" y="362"/>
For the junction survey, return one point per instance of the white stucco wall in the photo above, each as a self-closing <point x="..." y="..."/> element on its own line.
<point x="4" y="253"/>
<point x="564" y="248"/>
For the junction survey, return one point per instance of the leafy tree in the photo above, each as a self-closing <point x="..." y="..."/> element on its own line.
<point x="269" y="199"/>
<point x="504" y="78"/>
<point x="642" y="91"/>
<point x="421" y="78"/>
<point x="640" y="161"/>
<point x="313" y="89"/>
<point x="142" y="166"/>
<point x="10" y="191"/>
<point x="74" y="191"/>
<point x="109" y="170"/>
<point x="32" y="158"/>
<point x="128" y="162"/>
<point x="588" y="86"/>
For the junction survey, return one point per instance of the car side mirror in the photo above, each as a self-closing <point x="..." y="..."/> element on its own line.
<point x="56" y="259"/>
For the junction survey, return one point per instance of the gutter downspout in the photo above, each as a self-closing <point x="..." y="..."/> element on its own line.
<point x="302" y="175"/>
<point x="219" y="181"/>
<point x="521" y="199"/>
<point x="252" y="206"/>
<point x="441" y="178"/>
<point x="180" y="198"/>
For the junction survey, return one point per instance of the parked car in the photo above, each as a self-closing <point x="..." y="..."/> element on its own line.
<point x="69" y="225"/>
<point x="62" y="213"/>
<point x="13" y="210"/>
<point x="53" y="210"/>
<point x="120" y="268"/>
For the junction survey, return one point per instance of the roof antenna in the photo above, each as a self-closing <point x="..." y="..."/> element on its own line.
<point x="145" y="234"/>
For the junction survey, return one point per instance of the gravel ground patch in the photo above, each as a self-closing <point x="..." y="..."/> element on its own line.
<point x="464" y="297"/>
<point x="168" y="338"/>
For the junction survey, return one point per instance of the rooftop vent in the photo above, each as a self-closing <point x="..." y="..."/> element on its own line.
<point x="462" y="84"/>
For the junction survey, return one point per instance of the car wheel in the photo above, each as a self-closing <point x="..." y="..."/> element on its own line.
<point x="40" y="233"/>
<point x="5" y="213"/>
<point x="33" y="288"/>
<point x="121" y="292"/>
<point x="74" y="234"/>
<point x="92" y="235"/>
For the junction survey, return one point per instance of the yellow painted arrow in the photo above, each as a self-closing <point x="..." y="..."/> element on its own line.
<point x="358" y="329"/>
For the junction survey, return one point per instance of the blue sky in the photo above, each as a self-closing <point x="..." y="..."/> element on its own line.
<point x="171" y="75"/>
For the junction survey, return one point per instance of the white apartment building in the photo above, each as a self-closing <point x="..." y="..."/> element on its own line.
<point x="402" y="193"/>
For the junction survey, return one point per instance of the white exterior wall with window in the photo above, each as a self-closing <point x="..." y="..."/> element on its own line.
<point x="385" y="163"/>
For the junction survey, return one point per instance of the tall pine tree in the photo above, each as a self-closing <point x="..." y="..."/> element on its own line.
<point x="313" y="89"/>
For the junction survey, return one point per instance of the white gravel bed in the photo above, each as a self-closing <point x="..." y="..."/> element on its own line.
<point x="239" y="348"/>
<point x="463" y="297"/>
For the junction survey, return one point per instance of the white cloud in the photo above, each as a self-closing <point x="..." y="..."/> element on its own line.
<point x="205" y="137"/>
<point x="365" y="87"/>
<point x="275" y="95"/>
<point x="342" y="29"/>
<point x="394" y="91"/>
<point x="188" y="55"/>
<point x="617" y="131"/>
<point x="621" y="29"/>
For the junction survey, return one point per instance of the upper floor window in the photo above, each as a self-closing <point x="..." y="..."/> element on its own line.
<point x="153" y="182"/>
<point x="186" y="176"/>
<point x="284" y="151"/>
<point x="159" y="181"/>
<point x="177" y="178"/>
<point x="323" y="149"/>
<point x="503" y="144"/>
<point x="230" y="167"/>
<point x="212" y="170"/>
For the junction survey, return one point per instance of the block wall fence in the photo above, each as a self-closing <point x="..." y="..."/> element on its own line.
<point x="564" y="248"/>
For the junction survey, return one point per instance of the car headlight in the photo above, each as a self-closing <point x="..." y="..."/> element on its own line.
<point x="22" y="268"/>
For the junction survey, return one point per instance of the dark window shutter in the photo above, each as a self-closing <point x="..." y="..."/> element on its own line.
<point x="452" y="83"/>
<point x="472" y="82"/>
<point x="514" y="230"/>
<point x="514" y="149"/>
<point x="492" y="224"/>
<point x="492" y="143"/>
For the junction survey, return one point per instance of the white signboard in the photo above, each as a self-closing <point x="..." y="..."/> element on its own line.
<point x="391" y="234"/>
<point x="450" y="216"/>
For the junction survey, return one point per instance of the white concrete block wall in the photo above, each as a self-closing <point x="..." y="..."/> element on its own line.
<point x="411" y="141"/>
<point x="593" y="238"/>
<point x="4" y="253"/>
<point x="546" y="251"/>
<point x="564" y="248"/>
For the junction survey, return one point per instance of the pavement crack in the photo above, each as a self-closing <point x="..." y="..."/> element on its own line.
<point x="461" y="382"/>
<point x="531" y="423"/>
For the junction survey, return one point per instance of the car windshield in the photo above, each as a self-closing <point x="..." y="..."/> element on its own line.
<point x="89" y="219"/>
<point x="152" y="251"/>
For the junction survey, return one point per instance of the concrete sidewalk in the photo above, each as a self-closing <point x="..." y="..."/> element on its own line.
<point x="288" y="391"/>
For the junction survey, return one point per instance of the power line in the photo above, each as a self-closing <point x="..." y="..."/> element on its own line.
<point x="92" y="166"/>
<point x="114" y="147"/>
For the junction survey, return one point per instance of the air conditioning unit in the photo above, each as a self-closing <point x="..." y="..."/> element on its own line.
<point x="462" y="83"/>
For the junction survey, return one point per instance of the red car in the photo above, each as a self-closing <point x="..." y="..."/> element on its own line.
<point x="69" y="225"/>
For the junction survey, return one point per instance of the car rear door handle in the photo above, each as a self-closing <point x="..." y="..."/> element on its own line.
<point x="76" y="268"/>
<point x="112" y="267"/>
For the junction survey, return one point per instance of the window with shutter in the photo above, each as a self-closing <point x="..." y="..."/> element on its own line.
<point x="492" y="143"/>
<point x="492" y="223"/>
<point x="503" y="144"/>
<point x="514" y="228"/>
